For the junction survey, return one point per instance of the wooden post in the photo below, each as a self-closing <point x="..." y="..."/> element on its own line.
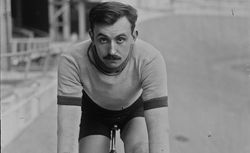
<point x="6" y="32"/>
<point x="66" y="20"/>
<point x="46" y="61"/>
<point x="3" y="40"/>
<point x="82" y="20"/>
<point x="59" y="8"/>
<point x="27" y="59"/>
<point x="52" y="28"/>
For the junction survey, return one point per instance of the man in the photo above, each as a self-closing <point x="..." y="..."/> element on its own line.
<point x="117" y="79"/>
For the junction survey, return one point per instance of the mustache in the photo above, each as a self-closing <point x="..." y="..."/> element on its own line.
<point x="112" y="57"/>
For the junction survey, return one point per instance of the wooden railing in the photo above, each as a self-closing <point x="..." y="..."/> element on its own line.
<point x="24" y="50"/>
<point x="18" y="110"/>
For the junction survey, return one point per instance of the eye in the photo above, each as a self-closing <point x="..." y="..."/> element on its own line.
<point x="120" y="40"/>
<point x="103" y="40"/>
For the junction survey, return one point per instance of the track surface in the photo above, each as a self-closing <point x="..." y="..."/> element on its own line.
<point x="208" y="63"/>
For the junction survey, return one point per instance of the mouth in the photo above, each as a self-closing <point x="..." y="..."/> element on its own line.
<point x="112" y="58"/>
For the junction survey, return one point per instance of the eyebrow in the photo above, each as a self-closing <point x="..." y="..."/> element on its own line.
<point x="103" y="35"/>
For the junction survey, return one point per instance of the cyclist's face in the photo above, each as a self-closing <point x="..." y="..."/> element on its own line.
<point x="113" y="42"/>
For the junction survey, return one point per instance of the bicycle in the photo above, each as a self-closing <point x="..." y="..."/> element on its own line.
<point x="113" y="139"/>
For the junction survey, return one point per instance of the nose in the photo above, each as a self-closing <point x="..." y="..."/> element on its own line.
<point x="112" y="48"/>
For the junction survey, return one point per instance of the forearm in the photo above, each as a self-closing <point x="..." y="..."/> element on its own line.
<point x="159" y="143"/>
<point x="68" y="129"/>
<point x="158" y="130"/>
<point x="67" y="141"/>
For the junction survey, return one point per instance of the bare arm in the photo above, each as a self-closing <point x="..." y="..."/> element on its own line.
<point x="158" y="129"/>
<point x="68" y="119"/>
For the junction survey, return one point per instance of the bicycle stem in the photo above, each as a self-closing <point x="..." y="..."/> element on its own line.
<point x="113" y="137"/>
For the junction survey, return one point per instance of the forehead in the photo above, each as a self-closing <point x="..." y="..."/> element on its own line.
<point x="121" y="26"/>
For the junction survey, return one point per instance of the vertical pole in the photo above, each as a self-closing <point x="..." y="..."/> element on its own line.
<point x="27" y="59"/>
<point x="47" y="58"/>
<point x="6" y="32"/>
<point x="3" y="40"/>
<point x="66" y="20"/>
<point x="82" y="19"/>
<point x="9" y="22"/>
<point x="52" y="27"/>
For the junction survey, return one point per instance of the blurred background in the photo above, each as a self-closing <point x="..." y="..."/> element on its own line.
<point x="206" y="45"/>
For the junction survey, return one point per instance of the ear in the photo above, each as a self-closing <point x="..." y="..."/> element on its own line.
<point x="135" y="34"/>
<point x="91" y="35"/>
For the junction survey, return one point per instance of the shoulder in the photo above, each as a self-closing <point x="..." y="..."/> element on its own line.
<point x="76" y="52"/>
<point x="145" y="52"/>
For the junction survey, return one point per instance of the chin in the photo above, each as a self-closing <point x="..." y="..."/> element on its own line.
<point x="113" y="64"/>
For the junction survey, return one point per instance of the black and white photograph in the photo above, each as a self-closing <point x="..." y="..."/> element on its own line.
<point x="125" y="76"/>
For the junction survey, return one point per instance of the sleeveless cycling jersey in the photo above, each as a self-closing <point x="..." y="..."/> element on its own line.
<point x="144" y="75"/>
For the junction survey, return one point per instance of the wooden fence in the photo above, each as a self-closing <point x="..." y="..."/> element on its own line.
<point x="24" y="50"/>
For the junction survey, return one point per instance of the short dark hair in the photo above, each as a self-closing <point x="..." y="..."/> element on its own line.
<point x="108" y="13"/>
